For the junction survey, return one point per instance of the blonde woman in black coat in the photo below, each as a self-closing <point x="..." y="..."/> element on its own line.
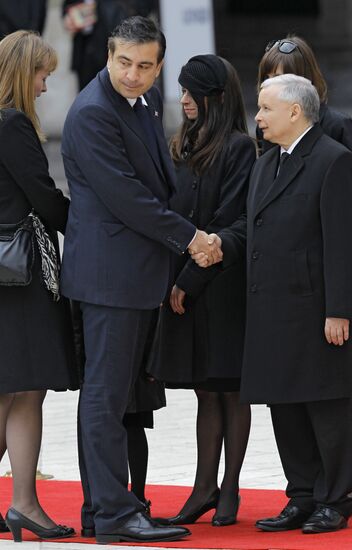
<point x="201" y="329"/>
<point x="36" y="339"/>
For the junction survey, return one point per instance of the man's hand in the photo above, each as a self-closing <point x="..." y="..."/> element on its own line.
<point x="206" y="249"/>
<point x="176" y="300"/>
<point x="337" y="330"/>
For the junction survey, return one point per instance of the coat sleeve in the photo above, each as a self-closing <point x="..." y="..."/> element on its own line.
<point x="232" y="202"/>
<point x="101" y="157"/>
<point x="25" y="160"/>
<point x="335" y="209"/>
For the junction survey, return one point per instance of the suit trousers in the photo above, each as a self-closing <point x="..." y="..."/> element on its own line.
<point x="114" y="343"/>
<point x="315" y="445"/>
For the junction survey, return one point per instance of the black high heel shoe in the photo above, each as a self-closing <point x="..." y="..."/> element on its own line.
<point x="185" y="519"/>
<point x="3" y="526"/>
<point x="221" y="521"/>
<point x="16" y="522"/>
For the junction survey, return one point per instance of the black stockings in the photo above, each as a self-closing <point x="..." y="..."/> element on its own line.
<point x="137" y="459"/>
<point x="221" y="418"/>
<point x="21" y="432"/>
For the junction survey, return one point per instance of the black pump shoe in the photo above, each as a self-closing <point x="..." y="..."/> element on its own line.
<point x="16" y="522"/>
<point x="3" y="526"/>
<point x="221" y="521"/>
<point x="186" y="519"/>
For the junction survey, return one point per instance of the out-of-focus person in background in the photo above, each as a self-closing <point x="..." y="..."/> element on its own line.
<point x="22" y="14"/>
<point x="36" y="341"/>
<point x="90" y="23"/>
<point x="293" y="55"/>
<point x="201" y="330"/>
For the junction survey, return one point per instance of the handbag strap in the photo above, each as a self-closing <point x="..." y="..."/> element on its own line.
<point x="49" y="258"/>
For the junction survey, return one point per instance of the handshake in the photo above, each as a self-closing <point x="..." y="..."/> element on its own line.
<point x="205" y="249"/>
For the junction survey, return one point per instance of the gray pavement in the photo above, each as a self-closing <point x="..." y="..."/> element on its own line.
<point x="172" y="450"/>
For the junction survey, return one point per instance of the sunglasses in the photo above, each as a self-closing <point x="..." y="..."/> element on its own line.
<point x="284" y="46"/>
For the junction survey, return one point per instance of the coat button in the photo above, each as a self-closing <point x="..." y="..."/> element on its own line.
<point x="191" y="214"/>
<point x="253" y="288"/>
<point x="194" y="184"/>
<point x="259" y="222"/>
<point x="255" y="255"/>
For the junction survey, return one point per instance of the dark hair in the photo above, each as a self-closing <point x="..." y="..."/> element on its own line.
<point x="139" y="30"/>
<point x="202" y="140"/>
<point x="300" y="61"/>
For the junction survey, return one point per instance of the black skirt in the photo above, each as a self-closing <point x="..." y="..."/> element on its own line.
<point x="36" y="338"/>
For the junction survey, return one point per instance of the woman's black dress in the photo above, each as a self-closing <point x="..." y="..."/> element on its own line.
<point x="36" y="338"/>
<point x="203" y="347"/>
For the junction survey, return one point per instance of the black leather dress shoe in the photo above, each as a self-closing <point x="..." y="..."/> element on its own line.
<point x="186" y="519"/>
<point x="141" y="528"/>
<point x="291" y="517"/>
<point x="88" y="532"/>
<point x="323" y="520"/>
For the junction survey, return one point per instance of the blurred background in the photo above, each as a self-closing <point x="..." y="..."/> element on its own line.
<point x="235" y="29"/>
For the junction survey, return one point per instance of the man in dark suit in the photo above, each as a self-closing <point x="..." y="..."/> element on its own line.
<point x="298" y="353"/>
<point x="119" y="239"/>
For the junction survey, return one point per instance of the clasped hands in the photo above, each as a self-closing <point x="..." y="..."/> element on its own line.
<point x="206" y="249"/>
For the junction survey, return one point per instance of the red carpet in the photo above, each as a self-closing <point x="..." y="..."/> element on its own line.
<point x="62" y="500"/>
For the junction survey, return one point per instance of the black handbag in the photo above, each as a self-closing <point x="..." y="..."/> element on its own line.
<point x="16" y="253"/>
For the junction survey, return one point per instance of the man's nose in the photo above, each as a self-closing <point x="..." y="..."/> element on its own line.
<point x="132" y="73"/>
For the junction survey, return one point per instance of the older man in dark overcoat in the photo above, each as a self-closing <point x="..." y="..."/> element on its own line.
<point x="298" y="354"/>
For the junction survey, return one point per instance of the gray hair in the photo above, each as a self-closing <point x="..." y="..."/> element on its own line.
<point x="297" y="89"/>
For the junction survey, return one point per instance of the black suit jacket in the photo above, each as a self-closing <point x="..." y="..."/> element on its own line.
<point x="120" y="231"/>
<point x="299" y="267"/>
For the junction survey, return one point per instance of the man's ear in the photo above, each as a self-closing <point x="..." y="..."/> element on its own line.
<point x="296" y="111"/>
<point x="159" y="67"/>
<point x="108" y="63"/>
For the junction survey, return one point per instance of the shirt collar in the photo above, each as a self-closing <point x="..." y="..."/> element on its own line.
<point x="133" y="101"/>
<point x="296" y="142"/>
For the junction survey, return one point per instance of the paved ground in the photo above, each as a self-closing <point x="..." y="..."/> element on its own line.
<point x="171" y="443"/>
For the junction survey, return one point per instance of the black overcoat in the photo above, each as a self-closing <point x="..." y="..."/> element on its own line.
<point x="299" y="266"/>
<point x="207" y="341"/>
<point x="36" y="339"/>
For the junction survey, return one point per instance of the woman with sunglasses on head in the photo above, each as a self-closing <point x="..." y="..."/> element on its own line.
<point x="36" y="338"/>
<point x="293" y="55"/>
<point x="201" y="325"/>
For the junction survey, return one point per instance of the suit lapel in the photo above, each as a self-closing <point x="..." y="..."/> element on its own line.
<point x="128" y="115"/>
<point x="262" y="179"/>
<point x="165" y="158"/>
<point x="292" y="167"/>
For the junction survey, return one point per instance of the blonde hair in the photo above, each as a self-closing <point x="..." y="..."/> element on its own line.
<point x="22" y="55"/>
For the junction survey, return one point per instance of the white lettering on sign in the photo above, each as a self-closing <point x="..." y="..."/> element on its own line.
<point x="200" y="15"/>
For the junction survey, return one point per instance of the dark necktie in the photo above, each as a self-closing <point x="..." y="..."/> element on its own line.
<point x="146" y="124"/>
<point x="283" y="158"/>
